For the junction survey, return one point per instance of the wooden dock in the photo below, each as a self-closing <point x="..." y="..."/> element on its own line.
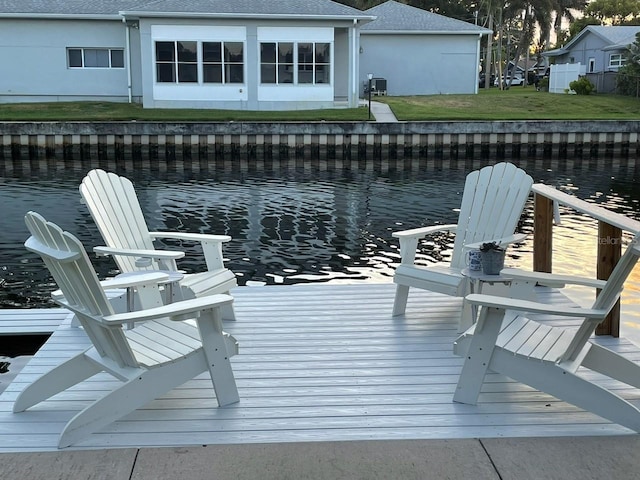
<point x="317" y="362"/>
<point x="31" y="321"/>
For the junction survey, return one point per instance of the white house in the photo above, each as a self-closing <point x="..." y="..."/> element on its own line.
<point x="227" y="54"/>
<point x="233" y="54"/>
<point x="419" y="52"/>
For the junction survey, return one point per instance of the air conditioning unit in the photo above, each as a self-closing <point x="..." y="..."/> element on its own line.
<point x="378" y="86"/>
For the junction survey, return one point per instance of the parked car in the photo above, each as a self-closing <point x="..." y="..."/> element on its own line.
<point x="481" y="78"/>
<point x="518" y="79"/>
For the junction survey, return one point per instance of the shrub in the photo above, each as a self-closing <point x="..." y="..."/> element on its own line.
<point x="543" y="85"/>
<point x="582" y="86"/>
<point x="628" y="80"/>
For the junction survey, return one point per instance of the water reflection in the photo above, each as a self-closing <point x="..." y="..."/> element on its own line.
<point x="300" y="226"/>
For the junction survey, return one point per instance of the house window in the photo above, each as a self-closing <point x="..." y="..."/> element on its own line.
<point x="314" y="64"/>
<point x="177" y="61"/>
<point x="166" y="62"/>
<point x="187" y="62"/>
<point x="592" y="65"/>
<point x="278" y="62"/>
<point x="322" y="62"/>
<point x="617" y="60"/>
<point x="222" y="62"/>
<point x="95" y="57"/>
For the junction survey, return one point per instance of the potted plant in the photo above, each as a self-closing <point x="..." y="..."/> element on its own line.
<point x="492" y="258"/>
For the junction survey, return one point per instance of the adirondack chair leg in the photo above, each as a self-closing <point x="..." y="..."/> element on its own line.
<point x="131" y="395"/>
<point x="228" y="313"/>
<point x="75" y="322"/>
<point x="467" y="317"/>
<point x="218" y="357"/>
<point x="468" y="313"/>
<point x="400" y="302"/>
<point x="603" y="360"/>
<point x="569" y="387"/>
<point x="63" y="376"/>
<point x="478" y="356"/>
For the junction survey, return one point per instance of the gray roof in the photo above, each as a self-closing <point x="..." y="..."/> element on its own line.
<point x="617" y="38"/>
<point x="398" y="17"/>
<point x="66" y="7"/>
<point x="618" y="35"/>
<point x="251" y="7"/>
<point x="212" y="7"/>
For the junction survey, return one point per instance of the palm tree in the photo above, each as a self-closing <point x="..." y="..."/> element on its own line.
<point x="563" y="9"/>
<point x="523" y="16"/>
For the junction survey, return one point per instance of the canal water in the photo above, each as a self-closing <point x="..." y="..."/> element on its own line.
<point x="306" y="225"/>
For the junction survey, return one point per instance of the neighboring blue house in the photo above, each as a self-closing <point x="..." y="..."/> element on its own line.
<point x="596" y="48"/>
<point x="419" y="52"/>
<point x="228" y="54"/>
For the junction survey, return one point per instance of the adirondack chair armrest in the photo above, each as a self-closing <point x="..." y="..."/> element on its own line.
<point x="152" y="254"/>
<point x="551" y="279"/>
<point x="195" y="237"/>
<point x="533" y="307"/>
<point x="423" y="231"/>
<point x="515" y="238"/>
<point x="409" y="240"/>
<point x="211" y="245"/>
<point x="140" y="278"/>
<point x="178" y="311"/>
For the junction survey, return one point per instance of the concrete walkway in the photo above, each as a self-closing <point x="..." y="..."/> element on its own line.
<point x="380" y="112"/>
<point x="562" y="458"/>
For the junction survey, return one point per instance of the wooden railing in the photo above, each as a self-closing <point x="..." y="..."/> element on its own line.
<point x="610" y="228"/>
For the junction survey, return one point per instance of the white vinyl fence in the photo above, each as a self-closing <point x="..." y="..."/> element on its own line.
<point x="562" y="75"/>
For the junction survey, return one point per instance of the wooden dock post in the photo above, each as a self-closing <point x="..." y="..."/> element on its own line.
<point x="609" y="252"/>
<point x="542" y="233"/>
<point x="610" y="228"/>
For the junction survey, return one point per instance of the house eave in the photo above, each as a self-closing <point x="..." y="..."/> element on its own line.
<point x="554" y="53"/>
<point x="425" y="32"/>
<point x="256" y="16"/>
<point x="615" y="47"/>
<point x="61" y="16"/>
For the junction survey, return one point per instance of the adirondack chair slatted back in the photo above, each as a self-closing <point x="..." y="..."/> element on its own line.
<point x="492" y="203"/>
<point x="114" y="206"/>
<point x="66" y="259"/>
<point x="606" y="298"/>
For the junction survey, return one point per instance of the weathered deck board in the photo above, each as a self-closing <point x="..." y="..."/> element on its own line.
<point x="317" y="363"/>
<point x="31" y="321"/>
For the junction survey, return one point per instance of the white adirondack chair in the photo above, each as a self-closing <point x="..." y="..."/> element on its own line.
<point x="113" y="204"/>
<point x="492" y="203"/>
<point x="505" y="340"/>
<point x="159" y="354"/>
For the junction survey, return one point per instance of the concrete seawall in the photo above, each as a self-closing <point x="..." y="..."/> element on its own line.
<point x="208" y="144"/>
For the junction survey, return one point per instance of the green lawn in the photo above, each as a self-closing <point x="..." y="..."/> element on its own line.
<point x="518" y="103"/>
<point x="106" y="111"/>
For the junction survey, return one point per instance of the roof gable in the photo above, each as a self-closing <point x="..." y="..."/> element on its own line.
<point x="398" y="17"/>
<point x="611" y="35"/>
